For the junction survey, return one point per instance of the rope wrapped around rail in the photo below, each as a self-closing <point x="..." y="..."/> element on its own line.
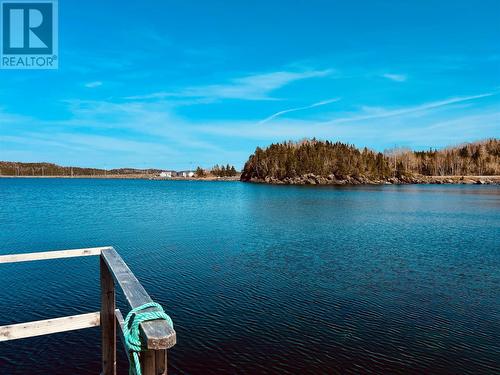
<point x="132" y="335"/>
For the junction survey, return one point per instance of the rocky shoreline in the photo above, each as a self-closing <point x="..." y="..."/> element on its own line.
<point x="311" y="179"/>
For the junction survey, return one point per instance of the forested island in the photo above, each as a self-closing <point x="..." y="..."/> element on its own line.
<point x="324" y="162"/>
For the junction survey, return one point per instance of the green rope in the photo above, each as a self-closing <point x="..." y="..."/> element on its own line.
<point x="132" y="335"/>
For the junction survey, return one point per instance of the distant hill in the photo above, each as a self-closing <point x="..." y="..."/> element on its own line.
<point x="8" y="168"/>
<point x="335" y="162"/>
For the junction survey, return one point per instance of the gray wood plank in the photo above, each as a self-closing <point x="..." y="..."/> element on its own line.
<point x="120" y="323"/>
<point x="57" y="254"/>
<point x="49" y="326"/>
<point x="108" y="321"/>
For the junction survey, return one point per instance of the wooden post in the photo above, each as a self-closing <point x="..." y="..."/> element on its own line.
<point x="108" y="321"/>
<point x="154" y="362"/>
<point x="161" y="362"/>
<point x="157" y="335"/>
<point x="147" y="359"/>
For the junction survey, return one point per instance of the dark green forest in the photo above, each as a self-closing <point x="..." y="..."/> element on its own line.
<point x="218" y="171"/>
<point x="8" y="168"/>
<point x="324" y="158"/>
<point x="224" y="171"/>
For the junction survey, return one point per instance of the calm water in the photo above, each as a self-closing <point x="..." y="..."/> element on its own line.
<point x="264" y="279"/>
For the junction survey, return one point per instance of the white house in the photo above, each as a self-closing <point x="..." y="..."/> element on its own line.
<point x="186" y="174"/>
<point x="166" y="174"/>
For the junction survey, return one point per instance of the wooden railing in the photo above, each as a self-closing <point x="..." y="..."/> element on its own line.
<point x="156" y="335"/>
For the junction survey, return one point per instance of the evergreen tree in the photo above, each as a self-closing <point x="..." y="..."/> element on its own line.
<point x="199" y="172"/>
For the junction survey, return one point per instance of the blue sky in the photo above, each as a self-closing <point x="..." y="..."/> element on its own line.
<point x="176" y="84"/>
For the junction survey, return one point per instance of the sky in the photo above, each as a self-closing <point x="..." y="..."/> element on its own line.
<point x="177" y="84"/>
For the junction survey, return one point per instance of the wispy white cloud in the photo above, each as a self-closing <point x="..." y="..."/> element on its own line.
<point x="398" y="125"/>
<point x="318" y="104"/>
<point x="134" y="132"/>
<point x="421" y="133"/>
<point x="70" y="148"/>
<point x="395" y="77"/>
<point x="156" y="120"/>
<point x="93" y="84"/>
<point x="252" y="87"/>
<point x="9" y="119"/>
<point x="385" y="113"/>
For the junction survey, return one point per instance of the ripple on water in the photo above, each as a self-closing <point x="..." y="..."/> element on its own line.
<point x="264" y="279"/>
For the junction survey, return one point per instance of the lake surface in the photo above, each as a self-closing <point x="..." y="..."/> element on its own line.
<point x="264" y="279"/>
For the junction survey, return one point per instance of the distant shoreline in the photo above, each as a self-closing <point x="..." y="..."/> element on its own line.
<point x="132" y="177"/>
<point x="304" y="180"/>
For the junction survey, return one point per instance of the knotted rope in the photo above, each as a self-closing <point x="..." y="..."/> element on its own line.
<point x="132" y="335"/>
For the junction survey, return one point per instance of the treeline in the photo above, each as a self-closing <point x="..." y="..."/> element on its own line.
<point x="324" y="158"/>
<point x="48" y="169"/>
<point x="289" y="160"/>
<point x="224" y="171"/>
<point x="472" y="159"/>
<point x="218" y="171"/>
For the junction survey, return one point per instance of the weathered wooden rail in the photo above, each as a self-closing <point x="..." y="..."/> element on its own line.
<point x="157" y="335"/>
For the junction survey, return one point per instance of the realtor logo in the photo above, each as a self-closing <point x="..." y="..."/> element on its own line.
<point x="28" y="34"/>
